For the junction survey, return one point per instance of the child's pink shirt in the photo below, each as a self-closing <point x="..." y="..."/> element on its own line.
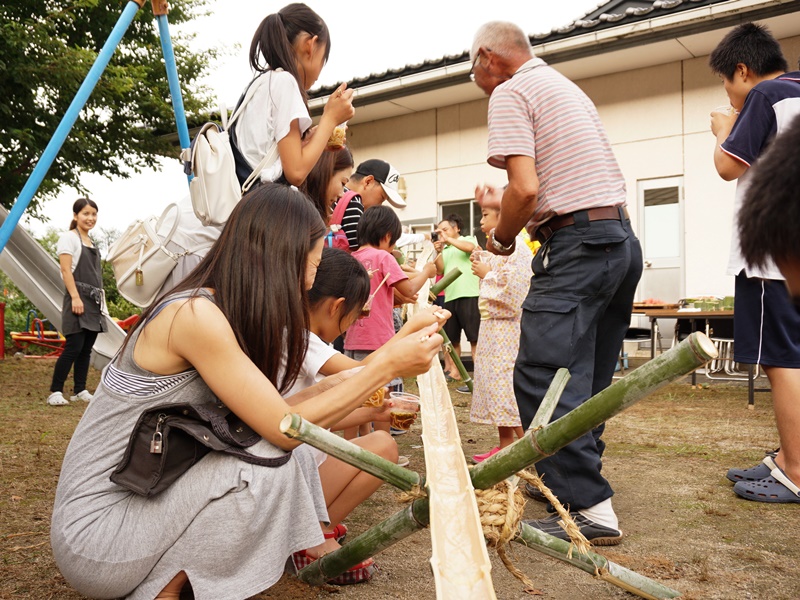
<point x="372" y="332"/>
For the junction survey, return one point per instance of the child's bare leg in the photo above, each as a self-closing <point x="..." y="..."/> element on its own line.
<point x="345" y="486"/>
<point x="381" y="426"/>
<point x="448" y="363"/>
<point x="454" y="372"/>
<point x="326" y="547"/>
<point x="506" y="435"/>
<point x="174" y="587"/>
<point x="350" y="433"/>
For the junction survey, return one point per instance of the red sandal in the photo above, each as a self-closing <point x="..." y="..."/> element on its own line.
<point x="337" y="533"/>
<point x="359" y="573"/>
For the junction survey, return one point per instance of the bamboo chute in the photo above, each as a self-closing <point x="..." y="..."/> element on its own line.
<point x="459" y="558"/>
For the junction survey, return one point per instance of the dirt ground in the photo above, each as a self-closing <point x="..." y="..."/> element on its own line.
<point x="666" y="459"/>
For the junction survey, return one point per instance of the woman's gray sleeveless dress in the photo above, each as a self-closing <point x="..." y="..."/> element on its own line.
<point x="228" y="524"/>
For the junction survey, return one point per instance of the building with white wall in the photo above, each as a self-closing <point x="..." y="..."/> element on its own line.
<point x="645" y="66"/>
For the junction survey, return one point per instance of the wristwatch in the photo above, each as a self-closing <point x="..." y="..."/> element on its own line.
<point x="498" y="246"/>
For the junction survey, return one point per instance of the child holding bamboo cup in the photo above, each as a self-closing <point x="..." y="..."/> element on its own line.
<point x="378" y="231"/>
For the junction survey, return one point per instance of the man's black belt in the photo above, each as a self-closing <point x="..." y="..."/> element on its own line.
<point x="602" y="213"/>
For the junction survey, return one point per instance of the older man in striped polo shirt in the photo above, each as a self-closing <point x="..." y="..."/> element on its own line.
<point x="566" y="185"/>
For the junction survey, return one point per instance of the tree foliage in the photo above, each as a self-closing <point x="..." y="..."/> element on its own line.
<point x="46" y="50"/>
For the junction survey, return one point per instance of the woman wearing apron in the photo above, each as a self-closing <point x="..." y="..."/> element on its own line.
<point x="81" y="319"/>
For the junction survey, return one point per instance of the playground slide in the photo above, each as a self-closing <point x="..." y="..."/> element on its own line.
<point x="38" y="276"/>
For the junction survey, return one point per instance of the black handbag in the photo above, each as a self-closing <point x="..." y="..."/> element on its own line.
<point x="167" y="440"/>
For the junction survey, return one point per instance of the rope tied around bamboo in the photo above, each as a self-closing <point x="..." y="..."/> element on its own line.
<point x="415" y="493"/>
<point x="576" y="538"/>
<point x="501" y="508"/>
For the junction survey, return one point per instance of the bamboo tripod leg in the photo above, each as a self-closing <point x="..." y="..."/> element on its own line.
<point x="535" y="445"/>
<point x="376" y="539"/>
<point x="294" y="426"/>
<point x="550" y="401"/>
<point x="594" y="564"/>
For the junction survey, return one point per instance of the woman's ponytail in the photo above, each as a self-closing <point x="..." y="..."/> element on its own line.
<point x="273" y="42"/>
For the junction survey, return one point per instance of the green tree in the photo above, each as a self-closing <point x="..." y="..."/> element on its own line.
<point x="46" y="49"/>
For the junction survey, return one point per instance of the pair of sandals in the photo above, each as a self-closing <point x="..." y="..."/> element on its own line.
<point x="766" y="482"/>
<point x="359" y="573"/>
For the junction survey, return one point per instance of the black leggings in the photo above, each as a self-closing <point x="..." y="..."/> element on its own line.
<point x="77" y="351"/>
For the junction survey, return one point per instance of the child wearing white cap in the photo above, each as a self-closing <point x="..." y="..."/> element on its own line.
<point x="374" y="182"/>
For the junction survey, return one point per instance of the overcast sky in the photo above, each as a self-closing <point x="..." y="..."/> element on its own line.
<point x="367" y="37"/>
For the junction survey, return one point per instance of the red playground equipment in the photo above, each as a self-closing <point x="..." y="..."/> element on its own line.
<point x="37" y="333"/>
<point x="127" y="323"/>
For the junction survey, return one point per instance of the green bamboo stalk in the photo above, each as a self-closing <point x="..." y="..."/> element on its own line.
<point x="535" y="445"/>
<point x="376" y="539"/>
<point x="448" y="347"/>
<point x="594" y="564"/>
<point x="294" y="426"/>
<point x="446" y="280"/>
<point x="551" y="398"/>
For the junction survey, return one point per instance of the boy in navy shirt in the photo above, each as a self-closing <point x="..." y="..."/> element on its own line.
<point x="764" y="99"/>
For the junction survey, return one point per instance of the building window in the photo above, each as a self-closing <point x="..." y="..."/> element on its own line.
<point x="470" y="214"/>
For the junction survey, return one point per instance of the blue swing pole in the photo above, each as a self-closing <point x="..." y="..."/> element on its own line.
<point x="51" y="151"/>
<point x="172" y="75"/>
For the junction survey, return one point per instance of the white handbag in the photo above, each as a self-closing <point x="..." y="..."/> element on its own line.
<point x="214" y="187"/>
<point x="141" y="260"/>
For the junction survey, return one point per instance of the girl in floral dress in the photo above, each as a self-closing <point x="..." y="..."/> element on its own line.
<point x="504" y="285"/>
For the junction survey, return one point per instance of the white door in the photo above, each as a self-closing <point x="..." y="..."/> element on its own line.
<point x="661" y="234"/>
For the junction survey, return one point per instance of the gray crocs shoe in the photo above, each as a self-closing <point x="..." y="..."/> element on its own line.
<point x="760" y="471"/>
<point x="598" y="535"/>
<point x="776" y="488"/>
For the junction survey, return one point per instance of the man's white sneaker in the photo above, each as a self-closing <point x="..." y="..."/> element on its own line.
<point x="57" y="399"/>
<point x="84" y="395"/>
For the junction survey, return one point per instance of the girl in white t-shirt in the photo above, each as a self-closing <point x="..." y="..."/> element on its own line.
<point x="288" y="51"/>
<point x="336" y="299"/>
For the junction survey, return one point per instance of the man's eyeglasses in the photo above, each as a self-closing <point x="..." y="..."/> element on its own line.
<point x="475" y="63"/>
<point x="472" y="70"/>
